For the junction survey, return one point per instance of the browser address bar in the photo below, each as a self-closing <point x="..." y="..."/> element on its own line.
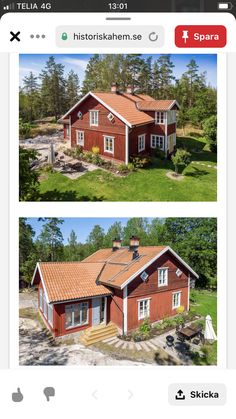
<point x="109" y="36"/>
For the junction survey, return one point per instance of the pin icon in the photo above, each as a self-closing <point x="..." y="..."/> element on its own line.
<point x="18" y="396"/>
<point x="49" y="392"/>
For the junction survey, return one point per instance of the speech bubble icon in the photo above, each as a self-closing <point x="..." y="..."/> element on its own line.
<point x="49" y="392"/>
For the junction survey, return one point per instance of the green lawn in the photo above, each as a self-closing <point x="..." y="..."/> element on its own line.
<point x="150" y="184"/>
<point x="206" y="303"/>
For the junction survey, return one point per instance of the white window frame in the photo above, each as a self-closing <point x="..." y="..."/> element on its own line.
<point x="141" y="142"/>
<point x="160" y="117"/>
<point x="72" y="308"/>
<point x="163" y="279"/>
<point x="41" y="299"/>
<point x="174" y="303"/>
<point x="79" y="137"/>
<point x="67" y="131"/>
<point x="171" y="117"/>
<point x="156" y="138"/>
<point x="143" y="313"/>
<point x="93" y="118"/>
<point x="109" y="137"/>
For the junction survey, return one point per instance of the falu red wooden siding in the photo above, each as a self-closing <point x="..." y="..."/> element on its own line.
<point x="94" y="135"/>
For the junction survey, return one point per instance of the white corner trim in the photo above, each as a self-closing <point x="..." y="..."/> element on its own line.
<point x="188" y="302"/>
<point x="41" y="277"/>
<point x="126" y="144"/>
<point x="125" y="308"/>
<point x="174" y="103"/>
<point x="166" y="249"/>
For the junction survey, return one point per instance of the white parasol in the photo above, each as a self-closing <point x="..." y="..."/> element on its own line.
<point x="209" y="333"/>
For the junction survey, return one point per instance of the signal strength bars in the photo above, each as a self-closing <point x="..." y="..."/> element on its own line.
<point x="10" y="6"/>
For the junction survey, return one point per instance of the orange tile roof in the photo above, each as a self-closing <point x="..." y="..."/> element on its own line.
<point x="155" y="105"/>
<point x="126" y="106"/>
<point x="71" y="280"/>
<point x="119" y="266"/>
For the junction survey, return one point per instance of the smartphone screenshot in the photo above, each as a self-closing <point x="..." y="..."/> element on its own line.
<point x="118" y="208"/>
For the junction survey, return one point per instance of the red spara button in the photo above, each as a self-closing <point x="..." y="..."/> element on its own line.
<point x="200" y="36"/>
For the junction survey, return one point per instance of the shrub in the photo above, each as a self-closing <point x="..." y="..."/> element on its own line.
<point x="97" y="160"/>
<point x="180" y="309"/>
<point x="160" y="154"/>
<point x="88" y="156"/>
<point x="78" y="152"/>
<point x="122" y="168"/>
<point x="130" y="167"/>
<point x="180" y="158"/>
<point x="95" y="150"/>
<point x="193" y="296"/>
<point x="210" y="132"/>
<point x="141" y="161"/>
<point x="24" y="129"/>
<point x="145" y="327"/>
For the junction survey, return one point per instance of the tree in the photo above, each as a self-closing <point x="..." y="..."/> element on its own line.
<point x="51" y="239"/>
<point x="28" y="178"/>
<point x="163" y="77"/>
<point x="72" y="250"/>
<point x="210" y="132"/>
<point x="72" y="89"/>
<point x="180" y="158"/>
<point x="195" y="240"/>
<point x="31" y="88"/>
<point x="53" y="88"/>
<point x="135" y="227"/>
<point x="96" y="238"/>
<point x="115" y="231"/>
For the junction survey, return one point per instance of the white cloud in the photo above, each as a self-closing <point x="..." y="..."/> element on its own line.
<point x="82" y="64"/>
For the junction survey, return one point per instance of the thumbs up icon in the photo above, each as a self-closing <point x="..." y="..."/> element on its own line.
<point x="18" y="396"/>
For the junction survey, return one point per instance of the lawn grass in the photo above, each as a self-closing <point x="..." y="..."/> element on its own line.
<point x="149" y="184"/>
<point x="206" y="303"/>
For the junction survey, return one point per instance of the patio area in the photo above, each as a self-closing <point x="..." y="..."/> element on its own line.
<point x="178" y="349"/>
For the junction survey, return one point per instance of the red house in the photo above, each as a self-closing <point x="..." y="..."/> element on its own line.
<point x="118" y="287"/>
<point x="121" y="124"/>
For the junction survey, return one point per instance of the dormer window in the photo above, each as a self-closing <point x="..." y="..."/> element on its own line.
<point x="93" y="118"/>
<point x="160" y="117"/>
<point x="162" y="277"/>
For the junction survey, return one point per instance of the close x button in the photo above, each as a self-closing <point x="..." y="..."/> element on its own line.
<point x="200" y="36"/>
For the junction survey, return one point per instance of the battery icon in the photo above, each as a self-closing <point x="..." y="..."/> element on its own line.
<point x="225" y="6"/>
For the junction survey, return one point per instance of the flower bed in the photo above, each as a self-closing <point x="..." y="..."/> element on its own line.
<point x="148" y="331"/>
<point x="95" y="158"/>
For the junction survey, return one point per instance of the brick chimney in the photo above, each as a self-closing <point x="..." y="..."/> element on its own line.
<point x="116" y="244"/>
<point x="133" y="243"/>
<point x="114" y="88"/>
<point x="130" y="89"/>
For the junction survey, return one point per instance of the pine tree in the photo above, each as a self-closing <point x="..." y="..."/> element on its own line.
<point x="53" y="88"/>
<point x="31" y="91"/>
<point x="72" y="89"/>
<point x="51" y="239"/>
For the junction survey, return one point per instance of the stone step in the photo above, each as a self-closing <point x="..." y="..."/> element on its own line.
<point x="151" y="345"/>
<point x="138" y="346"/>
<point x="119" y="343"/>
<point x="144" y="346"/>
<point x="112" y="342"/>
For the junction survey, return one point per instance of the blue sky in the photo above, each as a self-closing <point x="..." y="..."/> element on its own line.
<point x="81" y="226"/>
<point x="78" y="63"/>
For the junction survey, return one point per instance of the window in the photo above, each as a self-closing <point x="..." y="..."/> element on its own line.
<point x="50" y="314"/>
<point x="162" y="277"/>
<point x="143" y="309"/>
<point x="171" y="117"/>
<point x="76" y="315"/>
<point x="144" y="276"/>
<point x="94" y="118"/>
<point x="160" y="117"/>
<point x="141" y="142"/>
<point x="45" y="307"/>
<point x="109" y="144"/>
<point x="157" y="141"/>
<point x="176" y="297"/>
<point x="178" y="272"/>
<point x="80" y="137"/>
<point x="41" y="299"/>
<point x="67" y="131"/>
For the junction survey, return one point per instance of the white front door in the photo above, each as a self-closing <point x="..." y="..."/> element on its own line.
<point x="80" y="138"/>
